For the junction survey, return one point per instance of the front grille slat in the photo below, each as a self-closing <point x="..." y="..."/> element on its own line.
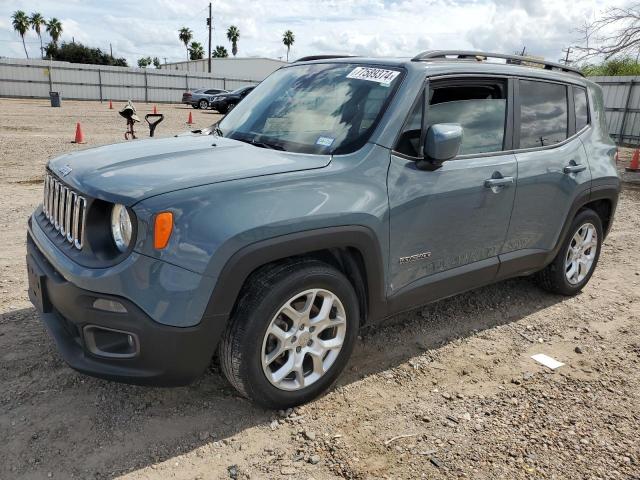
<point x="65" y="210"/>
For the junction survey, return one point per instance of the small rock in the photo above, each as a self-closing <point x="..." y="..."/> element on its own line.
<point x="203" y="436"/>
<point x="436" y="462"/>
<point x="527" y="375"/>
<point x="273" y="425"/>
<point x="233" y="471"/>
<point x="314" y="459"/>
<point x="578" y="349"/>
<point x="447" y="396"/>
<point x="311" y="436"/>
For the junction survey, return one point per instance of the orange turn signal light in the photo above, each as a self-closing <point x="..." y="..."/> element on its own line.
<point x="162" y="229"/>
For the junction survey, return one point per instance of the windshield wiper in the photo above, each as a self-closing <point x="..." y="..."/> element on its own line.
<point x="255" y="143"/>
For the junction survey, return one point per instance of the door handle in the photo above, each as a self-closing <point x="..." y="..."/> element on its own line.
<point x="498" y="182"/>
<point x="574" y="168"/>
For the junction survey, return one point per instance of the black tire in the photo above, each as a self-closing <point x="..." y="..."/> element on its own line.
<point x="203" y="104"/>
<point x="553" y="278"/>
<point x="223" y="109"/>
<point x="264" y="294"/>
<point x="195" y="105"/>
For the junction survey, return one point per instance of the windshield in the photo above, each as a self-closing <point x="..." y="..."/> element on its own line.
<point x="317" y="108"/>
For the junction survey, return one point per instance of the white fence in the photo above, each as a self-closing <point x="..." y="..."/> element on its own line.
<point x="36" y="78"/>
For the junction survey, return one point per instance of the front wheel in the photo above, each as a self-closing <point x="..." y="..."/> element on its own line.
<point x="292" y="333"/>
<point x="574" y="264"/>
<point x="203" y="104"/>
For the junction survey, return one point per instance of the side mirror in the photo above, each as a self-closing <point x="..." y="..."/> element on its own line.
<point x="441" y="143"/>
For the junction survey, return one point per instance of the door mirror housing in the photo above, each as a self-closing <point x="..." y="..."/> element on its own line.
<point x="442" y="142"/>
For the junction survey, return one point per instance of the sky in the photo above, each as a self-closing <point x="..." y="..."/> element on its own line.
<point x="138" y="28"/>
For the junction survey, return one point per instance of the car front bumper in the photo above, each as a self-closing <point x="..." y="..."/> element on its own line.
<point x="124" y="346"/>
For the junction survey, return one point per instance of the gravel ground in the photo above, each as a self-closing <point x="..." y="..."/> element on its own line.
<point x="445" y="391"/>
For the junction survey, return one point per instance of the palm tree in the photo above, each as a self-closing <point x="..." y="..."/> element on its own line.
<point x="37" y="20"/>
<point x="233" y="34"/>
<point x="54" y="28"/>
<point x="21" y="24"/>
<point x="196" y="51"/>
<point x="185" y="35"/>
<point x="288" y="38"/>
<point x="220" y="52"/>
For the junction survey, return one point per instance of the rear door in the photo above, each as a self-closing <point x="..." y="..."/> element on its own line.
<point x="552" y="165"/>
<point x="452" y="222"/>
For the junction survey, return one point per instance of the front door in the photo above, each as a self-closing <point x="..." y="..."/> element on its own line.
<point x="452" y="221"/>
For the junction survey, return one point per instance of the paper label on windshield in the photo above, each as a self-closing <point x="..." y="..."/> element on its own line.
<point x="378" y="75"/>
<point x="325" y="141"/>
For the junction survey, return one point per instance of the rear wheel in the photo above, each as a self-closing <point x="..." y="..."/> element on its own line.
<point x="577" y="259"/>
<point x="292" y="333"/>
<point x="195" y="105"/>
<point x="203" y="104"/>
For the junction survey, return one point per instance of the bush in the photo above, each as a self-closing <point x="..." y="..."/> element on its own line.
<point x="614" y="67"/>
<point x="78" y="53"/>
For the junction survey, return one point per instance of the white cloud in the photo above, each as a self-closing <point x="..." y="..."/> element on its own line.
<point x="362" y="27"/>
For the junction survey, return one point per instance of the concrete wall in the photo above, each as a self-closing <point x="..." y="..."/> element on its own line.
<point x="35" y="78"/>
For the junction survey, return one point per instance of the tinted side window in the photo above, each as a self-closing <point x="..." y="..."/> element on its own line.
<point x="543" y="113"/>
<point x="479" y="108"/>
<point x="582" y="111"/>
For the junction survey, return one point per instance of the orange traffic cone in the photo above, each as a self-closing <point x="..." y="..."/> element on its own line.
<point x="155" y="110"/>
<point x="190" y="121"/>
<point x="79" y="134"/>
<point x="110" y="105"/>
<point x="634" y="166"/>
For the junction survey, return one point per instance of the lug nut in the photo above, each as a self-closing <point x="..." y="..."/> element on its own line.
<point x="301" y="327"/>
<point x="312" y="329"/>
<point x="298" y="349"/>
<point x="309" y="343"/>
<point x="294" y="339"/>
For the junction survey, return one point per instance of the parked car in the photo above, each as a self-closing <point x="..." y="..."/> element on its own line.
<point x="200" y="98"/>
<point x="227" y="101"/>
<point x="340" y="192"/>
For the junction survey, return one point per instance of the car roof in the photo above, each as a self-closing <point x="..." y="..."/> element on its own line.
<point x="447" y="66"/>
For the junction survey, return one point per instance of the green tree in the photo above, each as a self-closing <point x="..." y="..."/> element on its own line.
<point x="144" y="62"/>
<point x="185" y="35"/>
<point x="156" y="62"/>
<point x="21" y="24"/>
<point x="288" y="38"/>
<point x="233" y="35"/>
<point x="78" y="53"/>
<point x="220" y="52"/>
<point x="614" y="67"/>
<point x="37" y="20"/>
<point x="196" y="51"/>
<point x="54" y="29"/>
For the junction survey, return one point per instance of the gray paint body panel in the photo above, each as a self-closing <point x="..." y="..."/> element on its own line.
<point x="228" y="197"/>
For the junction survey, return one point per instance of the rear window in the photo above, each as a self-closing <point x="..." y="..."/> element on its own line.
<point x="582" y="110"/>
<point x="543" y="113"/>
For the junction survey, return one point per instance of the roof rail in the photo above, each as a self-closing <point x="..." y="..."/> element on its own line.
<point x="321" y="57"/>
<point x="435" y="55"/>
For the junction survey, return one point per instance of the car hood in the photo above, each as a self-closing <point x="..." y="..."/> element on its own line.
<point x="129" y="172"/>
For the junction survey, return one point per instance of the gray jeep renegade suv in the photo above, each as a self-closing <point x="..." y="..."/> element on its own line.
<point x="339" y="192"/>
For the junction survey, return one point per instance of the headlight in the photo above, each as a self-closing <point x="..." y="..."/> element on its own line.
<point x="121" y="227"/>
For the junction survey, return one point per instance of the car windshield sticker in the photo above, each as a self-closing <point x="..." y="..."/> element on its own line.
<point x="378" y="75"/>
<point x="325" y="141"/>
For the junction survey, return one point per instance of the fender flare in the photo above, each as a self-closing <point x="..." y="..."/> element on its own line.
<point x="246" y="260"/>
<point x="601" y="192"/>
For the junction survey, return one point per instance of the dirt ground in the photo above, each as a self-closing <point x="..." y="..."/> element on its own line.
<point x="445" y="391"/>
